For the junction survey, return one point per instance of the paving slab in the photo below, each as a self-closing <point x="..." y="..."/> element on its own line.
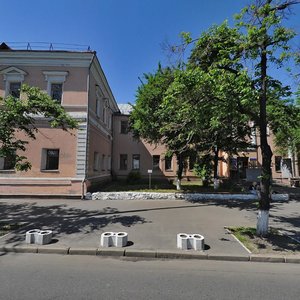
<point x="152" y="225"/>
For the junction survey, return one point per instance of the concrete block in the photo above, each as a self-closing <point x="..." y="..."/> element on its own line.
<point x="120" y="239"/>
<point x="31" y="236"/>
<point x="82" y="251"/>
<point x="43" y="237"/>
<point x="271" y="258"/>
<point x="182" y="241"/>
<point x="58" y="250"/>
<point x="19" y="249"/>
<point x="110" y="252"/>
<point x="292" y="259"/>
<point x="198" y="242"/>
<point x="190" y="241"/>
<point x="106" y="239"/>
<point x="227" y="257"/>
<point x="180" y="255"/>
<point x="114" y="239"/>
<point x="140" y="253"/>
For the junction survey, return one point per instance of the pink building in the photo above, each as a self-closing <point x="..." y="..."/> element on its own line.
<point x="62" y="163"/>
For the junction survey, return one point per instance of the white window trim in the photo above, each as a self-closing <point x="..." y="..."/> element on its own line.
<point x="55" y="77"/>
<point x="10" y="75"/>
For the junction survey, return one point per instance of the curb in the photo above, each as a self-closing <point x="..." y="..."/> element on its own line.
<point x="154" y="254"/>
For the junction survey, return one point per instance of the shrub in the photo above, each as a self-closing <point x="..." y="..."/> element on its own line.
<point x="133" y="177"/>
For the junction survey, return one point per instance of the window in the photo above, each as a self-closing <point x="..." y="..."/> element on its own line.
<point x="98" y="108"/>
<point x="103" y="163"/>
<point x="109" y="122"/>
<point x="52" y="159"/>
<point x="253" y="162"/>
<point x="135" y="162"/>
<point x="96" y="161"/>
<point x="123" y="161"/>
<point x="168" y="163"/>
<point x="55" y="81"/>
<point x="124" y="126"/>
<point x="278" y="160"/>
<point x="13" y="78"/>
<point x="14" y="89"/>
<point x="155" y="162"/>
<point x="56" y="91"/>
<point x="7" y="163"/>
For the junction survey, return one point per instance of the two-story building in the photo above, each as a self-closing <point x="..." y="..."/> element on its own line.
<point x="62" y="163"/>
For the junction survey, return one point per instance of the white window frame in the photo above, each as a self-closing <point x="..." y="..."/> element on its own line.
<point x="11" y="75"/>
<point x="58" y="77"/>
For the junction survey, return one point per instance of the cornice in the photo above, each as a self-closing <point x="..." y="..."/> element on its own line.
<point x="57" y="59"/>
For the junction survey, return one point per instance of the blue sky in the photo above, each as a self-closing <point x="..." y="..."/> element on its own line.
<point x="127" y="34"/>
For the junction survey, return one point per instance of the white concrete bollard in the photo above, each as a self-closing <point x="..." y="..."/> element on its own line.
<point x="43" y="237"/>
<point x="106" y="239"/>
<point x="121" y="239"/>
<point x="190" y="241"/>
<point x="198" y="242"/>
<point x="31" y="236"/>
<point x="182" y="241"/>
<point x="114" y="239"/>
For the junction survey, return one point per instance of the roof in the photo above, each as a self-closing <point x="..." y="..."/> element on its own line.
<point x="125" y="109"/>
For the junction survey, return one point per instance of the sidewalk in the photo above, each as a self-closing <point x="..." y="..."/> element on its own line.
<point x="152" y="226"/>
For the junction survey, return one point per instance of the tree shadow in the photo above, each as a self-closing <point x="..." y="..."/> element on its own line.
<point x="61" y="219"/>
<point x="250" y="205"/>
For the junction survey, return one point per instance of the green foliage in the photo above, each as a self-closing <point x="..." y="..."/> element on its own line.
<point x="18" y="115"/>
<point x="133" y="177"/>
<point x="203" y="168"/>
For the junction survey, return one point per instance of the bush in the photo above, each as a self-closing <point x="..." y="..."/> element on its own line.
<point x="133" y="177"/>
<point x="203" y="169"/>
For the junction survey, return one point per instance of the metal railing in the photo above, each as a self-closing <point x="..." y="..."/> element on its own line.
<point x="48" y="46"/>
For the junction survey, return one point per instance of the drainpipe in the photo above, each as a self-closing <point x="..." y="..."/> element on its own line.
<point x="83" y="182"/>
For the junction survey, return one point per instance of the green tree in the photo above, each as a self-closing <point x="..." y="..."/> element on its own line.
<point x="258" y="40"/>
<point x="266" y="41"/>
<point x="202" y="105"/>
<point x="150" y="117"/>
<point x="18" y="115"/>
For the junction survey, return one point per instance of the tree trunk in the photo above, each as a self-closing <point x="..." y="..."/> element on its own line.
<point x="180" y="166"/>
<point x="264" y="202"/>
<point x="216" y="168"/>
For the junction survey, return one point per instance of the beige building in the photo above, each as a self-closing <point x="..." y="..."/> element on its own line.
<point x="130" y="154"/>
<point x="62" y="163"/>
<point x="135" y="155"/>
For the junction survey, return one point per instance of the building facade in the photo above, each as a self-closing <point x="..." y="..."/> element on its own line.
<point x="63" y="163"/>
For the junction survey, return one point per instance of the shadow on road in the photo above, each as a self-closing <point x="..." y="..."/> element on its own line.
<point x="61" y="219"/>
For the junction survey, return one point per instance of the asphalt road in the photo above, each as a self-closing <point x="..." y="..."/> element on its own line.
<point x="32" y="276"/>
